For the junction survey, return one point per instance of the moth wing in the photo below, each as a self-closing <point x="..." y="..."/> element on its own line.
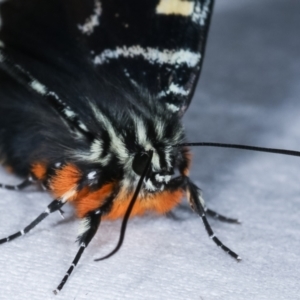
<point x="156" y="45"/>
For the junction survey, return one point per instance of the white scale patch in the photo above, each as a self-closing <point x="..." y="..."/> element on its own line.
<point x="193" y="9"/>
<point x="84" y="226"/>
<point x="91" y="175"/>
<point x="117" y="144"/>
<point x="159" y="128"/>
<point x="69" y="113"/>
<point x="140" y="131"/>
<point x="83" y="127"/>
<point x="38" y="87"/>
<point x="152" y="55"/>
<point x="173" y="108"/>
<point x="201" y="199"/>
<point x="174" y="89"/>
<point x="142" y="139"/>
<point x="201" y="13"/>
<point x="93" y="155"/>
<point x="175" y="7"/>
<point x="92" y="21"/>
<point x="55" y="96"/>
<point x="161" y="178"/>
<point x="127" y="74"/>
<point x="41" y="89"/>
<point x="149" y="186"/>
<point x="96" y="150"/>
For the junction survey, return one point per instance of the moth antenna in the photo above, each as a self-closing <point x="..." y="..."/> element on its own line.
<point x="27" y="182"/>
<point x="93" y="222"/>
<point x="242" y="147"/>
<point x="220" y="217"/>
<point x="52" y="207"/>
<point x="129" y="209"/>
<point x="193" y="195"/>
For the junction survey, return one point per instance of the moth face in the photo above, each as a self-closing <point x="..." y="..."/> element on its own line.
<point x="130" y="154"/>
<point x="157" y="176"/>
<point x="123" y="151"/>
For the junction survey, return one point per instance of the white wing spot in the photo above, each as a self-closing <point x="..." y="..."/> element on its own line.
<point x="201" y="13"/>
<point x="69" y="113"/>
<point x="175" y="7"/>
<point x="152" y="55"/>
<point x="92" y="21"/>
<point x="174" y="89"/>
<point x="38" y="87"/>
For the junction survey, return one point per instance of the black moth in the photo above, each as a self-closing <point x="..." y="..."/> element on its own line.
<point x="91" y="99"/>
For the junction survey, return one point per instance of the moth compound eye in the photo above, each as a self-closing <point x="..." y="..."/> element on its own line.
<point x="139" y="163"/>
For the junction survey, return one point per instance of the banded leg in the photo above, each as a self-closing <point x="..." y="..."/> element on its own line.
<point x="89" y="227"/>
<point x="195" y="199"/>
<point x="27" y="182"/>
<point x="221" y="218"/>
<point x="52" y="207"/>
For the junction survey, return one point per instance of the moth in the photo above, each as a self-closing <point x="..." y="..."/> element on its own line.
<point x="91" y="98"/>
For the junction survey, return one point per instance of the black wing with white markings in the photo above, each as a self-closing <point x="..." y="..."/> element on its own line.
<point x="155" y="44"/>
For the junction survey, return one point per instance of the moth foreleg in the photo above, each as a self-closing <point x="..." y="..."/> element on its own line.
<point x="52" y="207"/>
<point x="27" y="182"/>
<point x="220" y="217"/>
<point x="197" y="204"/>
<point x="88" y="229"/>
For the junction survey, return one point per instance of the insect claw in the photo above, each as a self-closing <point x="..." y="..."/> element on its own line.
<point x="61" y="213"/>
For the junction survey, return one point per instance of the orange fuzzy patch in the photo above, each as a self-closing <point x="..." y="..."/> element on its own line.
<point x="39" y="170"/>
<point x="160" y="203"/>
<point x="85" y="203"/>
<point x="64" y="181"/>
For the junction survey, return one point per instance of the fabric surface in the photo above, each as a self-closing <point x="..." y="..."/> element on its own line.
<point x="248" y="93"/>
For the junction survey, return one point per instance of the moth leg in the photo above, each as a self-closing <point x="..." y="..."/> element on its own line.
<point x="52" y="207"/>
<point x="27" y="182"/>
<point x="197" y="204"/>
<point x="221" y="218"/>
<point x="89" y="227"/>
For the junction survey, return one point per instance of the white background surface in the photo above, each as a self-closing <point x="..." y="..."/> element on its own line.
<point x="248" y="93"/>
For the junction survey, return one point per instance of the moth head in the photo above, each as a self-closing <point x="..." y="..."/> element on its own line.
<point x="122" y="149"/>
<point x="126" y="127"/>
<point x="160" y="137"/>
